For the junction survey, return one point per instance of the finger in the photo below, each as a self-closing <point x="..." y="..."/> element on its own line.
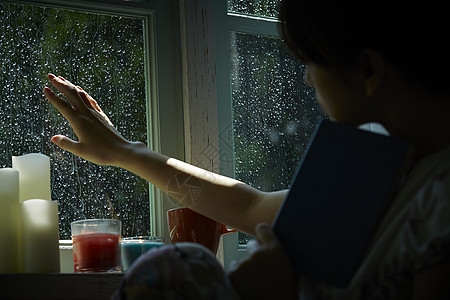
<point x="92" y="102"/>
<point x="66" y="81"/>
<point x="65" y="143"/>
<point x="85" y="97"/>
<point x="64" y="108"/>
<point x="96" y="107"/>
<point x="252" y="246"/>
<point x="265" y="234"/>
<point x="69" y="90"/>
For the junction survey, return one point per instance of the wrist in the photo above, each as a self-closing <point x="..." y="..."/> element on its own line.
<point x="129" y="154"/>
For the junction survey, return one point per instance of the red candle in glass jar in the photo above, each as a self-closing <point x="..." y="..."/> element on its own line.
<point x="96" y="245"/>
<point x="96" y="252"/>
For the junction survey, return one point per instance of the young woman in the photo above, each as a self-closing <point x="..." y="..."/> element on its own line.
<point x="385" y="62"/>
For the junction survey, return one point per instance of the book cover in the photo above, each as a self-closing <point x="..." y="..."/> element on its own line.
<point x="339" y="193"/>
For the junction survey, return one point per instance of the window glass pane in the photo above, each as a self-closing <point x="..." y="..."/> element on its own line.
<point x="105" y="55"/>
<point x="274" y="112"/>
<point x="261" y="8"/>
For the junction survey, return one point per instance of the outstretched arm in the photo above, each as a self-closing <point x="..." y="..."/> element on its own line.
<point x="221" y="198"/>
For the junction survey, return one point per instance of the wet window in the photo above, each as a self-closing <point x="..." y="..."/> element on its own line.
<point x="260" y="8"/>
<point x="274" y="112"/>
<point x="104" y="54"/>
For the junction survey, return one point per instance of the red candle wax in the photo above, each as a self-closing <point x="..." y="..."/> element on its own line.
<point x="96" y="252"/>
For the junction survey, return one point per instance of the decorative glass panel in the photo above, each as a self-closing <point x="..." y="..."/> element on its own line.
<point x="274" y="112"/>
<point x="104" y="54"/>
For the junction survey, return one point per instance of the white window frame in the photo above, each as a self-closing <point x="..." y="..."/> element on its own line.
<point x="205" y="27"/>
<point x="224" y="24"/>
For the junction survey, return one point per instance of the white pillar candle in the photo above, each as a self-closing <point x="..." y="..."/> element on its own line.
<point x="9" y="221"/>
<point x="34" y="169"/>
<point x="40" y="236"/>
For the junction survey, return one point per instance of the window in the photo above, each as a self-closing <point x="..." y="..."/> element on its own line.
<point x="109" y="50"/>
<point x="273" y="112"/>
<point x="262" y="8"/>
<point x="266" y="112"/>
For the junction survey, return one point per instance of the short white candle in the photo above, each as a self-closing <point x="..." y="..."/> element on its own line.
<point x="34" y="169"/>
<point x="40" y="236"/>
<point x="9" y="221"/>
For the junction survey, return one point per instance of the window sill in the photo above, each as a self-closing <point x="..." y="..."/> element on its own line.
<point x="59" y="286"/>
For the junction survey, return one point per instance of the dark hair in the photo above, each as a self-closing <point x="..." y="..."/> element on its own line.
<point x="411" y="36"/>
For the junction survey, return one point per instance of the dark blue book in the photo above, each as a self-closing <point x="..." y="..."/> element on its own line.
<point x="342" y="187"/>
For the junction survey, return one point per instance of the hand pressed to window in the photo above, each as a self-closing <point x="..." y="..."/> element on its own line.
<point x="98" y="140"/>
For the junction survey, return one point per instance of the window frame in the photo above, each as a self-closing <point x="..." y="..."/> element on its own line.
<point x="224" y="24"/>
<point x="162" y="74"/>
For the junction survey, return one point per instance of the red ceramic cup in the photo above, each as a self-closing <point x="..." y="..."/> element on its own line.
<point x="186" y="225"/>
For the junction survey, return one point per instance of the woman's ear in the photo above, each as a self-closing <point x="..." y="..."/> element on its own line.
<point x="373" y="70"/>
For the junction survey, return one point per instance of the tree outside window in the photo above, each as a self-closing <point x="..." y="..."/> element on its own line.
<point x="102" y="53"/>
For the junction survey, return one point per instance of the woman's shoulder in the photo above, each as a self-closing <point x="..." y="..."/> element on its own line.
<point x="413" y="235"/>
<point x="428" y="220"/>
<point x="420" y="211"/>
